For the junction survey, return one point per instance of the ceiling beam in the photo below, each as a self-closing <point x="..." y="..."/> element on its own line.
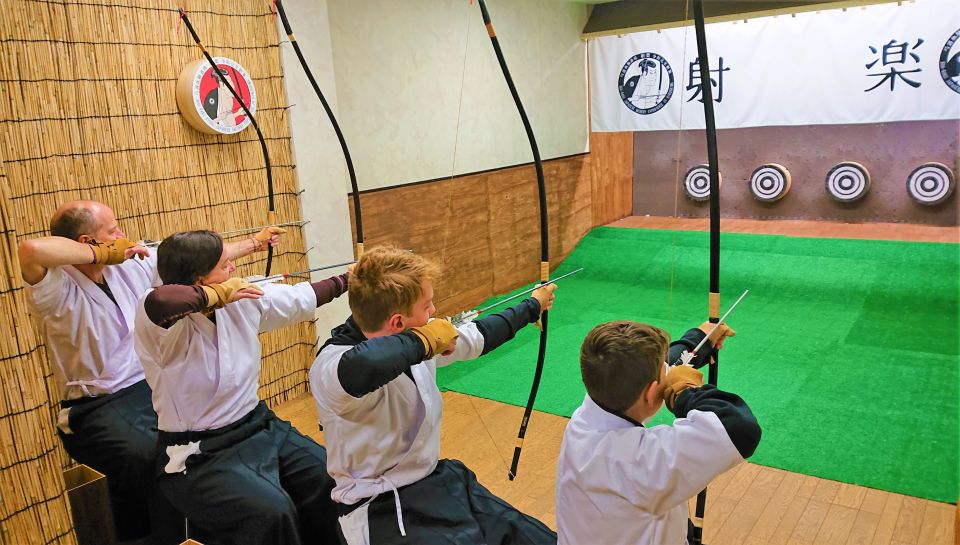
<point x="629" y="16"/>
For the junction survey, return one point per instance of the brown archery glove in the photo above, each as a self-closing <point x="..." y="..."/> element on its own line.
<point x="544" y="295"/>
<point x="111" y="253"/>
<point x="220" y="294"/>
<point x="719" y="335"/>
<point x="679" y="379"/>
<point x="263" y="237"/>
<point x="436" y="336"/>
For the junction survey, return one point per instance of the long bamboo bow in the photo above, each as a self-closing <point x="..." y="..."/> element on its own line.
<point x="253" y="121"/>
<point x="544" y="236"/>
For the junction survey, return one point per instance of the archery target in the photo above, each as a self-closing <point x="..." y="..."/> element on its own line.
<point x="696" y="184"/>
<point x="930" y="183"/>
<point x="207" y="104"/>
<point x="770" y="182"/>
<point x="848" y="181"/>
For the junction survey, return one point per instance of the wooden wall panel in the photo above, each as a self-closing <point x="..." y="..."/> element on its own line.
<point x="611" y="156"/>
<point x="483" y="228"/>
<point x="889" y="151"/>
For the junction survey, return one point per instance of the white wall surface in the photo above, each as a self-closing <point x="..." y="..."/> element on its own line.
<point x="419" y="95"/>
<point x="321" y="171"/>
<point x="420" y="87"/>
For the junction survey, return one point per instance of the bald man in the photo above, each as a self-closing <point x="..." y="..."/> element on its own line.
<point x="83" y="284"/>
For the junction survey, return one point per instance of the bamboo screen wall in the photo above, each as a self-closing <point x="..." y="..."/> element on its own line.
<point x="87" y="110"/>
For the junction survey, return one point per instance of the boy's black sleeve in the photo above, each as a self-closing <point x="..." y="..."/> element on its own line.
<point x="375" y="362"/>
<point x="689" y="340"/>
<point x="733" y="412"/>
<point x="501" y="327"/>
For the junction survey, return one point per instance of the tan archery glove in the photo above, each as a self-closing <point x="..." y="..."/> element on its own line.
<point x="719" y="335"/>
<point x="113" y="252"/>
<point x="229" y="291"/>
<point x="544" y="295"/>
<point x="679" y="379"/>
<point x="266" y="236"/>
<point x="437" y="337"/>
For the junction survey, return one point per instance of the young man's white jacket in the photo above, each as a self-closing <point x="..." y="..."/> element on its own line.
<point x="619" y="482"/>
<point x="389" y="438"/>
<point x="381" y="408"/>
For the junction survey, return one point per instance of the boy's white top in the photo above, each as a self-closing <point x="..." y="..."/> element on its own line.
<point x="618" y="483"/>
<point x="204" y="375"/>
<point x="390" y="437"/>
<point x="88" y="336"/>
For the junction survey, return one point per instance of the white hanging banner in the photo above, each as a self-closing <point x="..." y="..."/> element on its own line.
<point x="884" y="62"/>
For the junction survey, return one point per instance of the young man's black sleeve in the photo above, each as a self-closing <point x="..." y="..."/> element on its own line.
<point x="689" y="340"/>
<point x="375" y="362"/>
<point x="733" y="412"/>
<point x="501" y="327"/>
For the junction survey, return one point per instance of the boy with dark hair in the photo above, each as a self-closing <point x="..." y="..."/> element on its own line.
<point x="619" y="482"/>
<point x="375" y="387"/>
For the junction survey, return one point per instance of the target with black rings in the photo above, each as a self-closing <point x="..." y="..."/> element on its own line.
<point x="696" y="184"/>
<point x="770" y="182"/>
<point x="930" y="183"/>
<point x="848" y="181"/>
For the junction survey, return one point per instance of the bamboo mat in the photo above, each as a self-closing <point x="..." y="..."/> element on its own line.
<point x="87" y="110"/>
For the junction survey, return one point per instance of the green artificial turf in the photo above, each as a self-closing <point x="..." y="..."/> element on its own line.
<point x="847" y="350"/>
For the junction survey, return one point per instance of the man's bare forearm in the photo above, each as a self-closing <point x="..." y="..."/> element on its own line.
<point x="39" y="254"/>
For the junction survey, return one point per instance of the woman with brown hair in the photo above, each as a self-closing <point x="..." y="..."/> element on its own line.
<point x="236" y="471"/>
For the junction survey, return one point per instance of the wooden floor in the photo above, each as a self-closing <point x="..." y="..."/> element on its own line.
<point x="801" y="228"/>
<point x="748" y="505"/>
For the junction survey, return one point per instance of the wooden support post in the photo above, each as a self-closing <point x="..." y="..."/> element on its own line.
<point x="90" y="503"/>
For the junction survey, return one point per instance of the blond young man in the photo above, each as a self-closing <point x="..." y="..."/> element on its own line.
<point x="375" y="386"/>
<point x="620" y="482"/>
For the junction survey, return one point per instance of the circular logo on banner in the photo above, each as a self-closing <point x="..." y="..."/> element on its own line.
<point x="646" y="83"/>
<point x="206" y="102"/>
<point x="950" y="62"/>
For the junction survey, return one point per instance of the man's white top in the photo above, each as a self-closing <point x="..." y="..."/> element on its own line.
<point x="390" y="437"/>
<point x="618" y="483"/>
<point x="204" y="375"/>
<point x="88" y="336"/>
